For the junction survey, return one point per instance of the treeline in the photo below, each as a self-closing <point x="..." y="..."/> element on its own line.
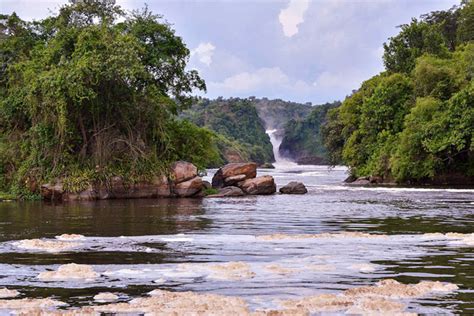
<point x="302" y="138"/>
<point x="239" y="131"/>
<point x="94" y="92"/>
<point x="414" y="122"/>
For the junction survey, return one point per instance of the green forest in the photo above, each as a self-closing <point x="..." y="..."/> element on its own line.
<point x="414" y="122"/>
<point x="302" y="138"/>
<point x="93" y="92"/>
<point x="240" y="132"/>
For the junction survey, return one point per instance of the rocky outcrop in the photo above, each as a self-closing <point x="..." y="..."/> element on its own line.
<point x="228" y="191"/>
<point x="365" y="180"/>
<point x="233" y="173"/>
<point x="182" y="182"/>
<point x="115" y="188"/>
<point x="258" y="186"/>
<point x="294" y="188"/>
<point x="361" y="181"/>
<point x="234" y="179"/>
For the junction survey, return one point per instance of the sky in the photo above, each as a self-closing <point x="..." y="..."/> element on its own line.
<point x="297" y="50"/>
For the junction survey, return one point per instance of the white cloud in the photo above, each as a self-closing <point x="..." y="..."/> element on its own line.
<point x="292" y="16"/>
<point x="204" y="53"/>
<point x="251" y="81"/>
<point x="273" y="80"/>
<point x="345" y="80"/>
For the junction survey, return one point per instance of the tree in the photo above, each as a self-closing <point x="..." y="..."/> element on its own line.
<point x="466" y="22"/>
<point x="414" y="40"/>
<point x="94" y="89"/>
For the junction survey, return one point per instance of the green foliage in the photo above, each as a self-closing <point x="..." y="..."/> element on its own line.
<point x="210" y="191"/>
<point x="93" y="92"/>
<point x="435" y="77"/>
<point x="242" y="131"/>
<point x="303" y="138"/>
<point x="192" y="143"/>
<point x="414" y="122"/>
<point x="411" y="160"/>
<point x="414" y="40"/>
<point x="333" y="140"/>
<point x="466" y="22"/>
<point x="380" y="117"/>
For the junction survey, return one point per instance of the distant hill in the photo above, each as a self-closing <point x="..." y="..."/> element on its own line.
<point x="276" y="113"/>
<point x="240" y="130"/>
<point x="302" y="139"/>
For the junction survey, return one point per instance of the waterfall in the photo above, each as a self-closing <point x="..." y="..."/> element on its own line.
<point x="276" y="141"/>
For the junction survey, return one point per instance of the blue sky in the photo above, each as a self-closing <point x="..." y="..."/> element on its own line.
<point x="299" y="50"/>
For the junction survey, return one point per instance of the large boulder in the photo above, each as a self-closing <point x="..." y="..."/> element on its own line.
<point x="248" y="169"/>
<point x="258" y="186"/>
<point x="294" y="188"/>
<point x="182" y="171"/>
<point x="188" y="188"/>
<point x="228" y="191"/>
<point x="230" y="181"/>
<point x="52" y="191"/>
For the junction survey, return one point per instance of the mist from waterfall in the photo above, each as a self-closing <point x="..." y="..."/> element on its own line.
<point x="280" y="162"/>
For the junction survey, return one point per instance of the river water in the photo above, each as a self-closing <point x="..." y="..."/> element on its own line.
<point x="140" y="245"/>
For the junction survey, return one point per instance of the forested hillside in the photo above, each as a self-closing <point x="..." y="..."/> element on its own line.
<point x="302" y="139"/>
<point x="414" y="122"/>
<point x="94" y="92"/>
<point x="240" y="131"/>
<point x="276" y="113"/>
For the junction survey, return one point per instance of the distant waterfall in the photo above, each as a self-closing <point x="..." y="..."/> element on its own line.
<point x="279" y="160"/>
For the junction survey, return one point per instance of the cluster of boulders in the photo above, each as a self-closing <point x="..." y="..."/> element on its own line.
<point x="237" y="179"/>
<point x="234" y="179"/>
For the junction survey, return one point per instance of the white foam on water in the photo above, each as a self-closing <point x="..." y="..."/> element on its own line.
<point x="389" y="189"/>
<point x="177" y="239"/>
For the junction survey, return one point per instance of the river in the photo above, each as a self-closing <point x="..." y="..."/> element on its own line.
<point x="140" y="245"/>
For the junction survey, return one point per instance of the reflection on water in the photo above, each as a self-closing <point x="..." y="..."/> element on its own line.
<point x="102" y="218"/>
<point x="139" y="245"/>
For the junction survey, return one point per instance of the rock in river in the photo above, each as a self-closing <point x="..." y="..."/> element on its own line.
<point x="294" y="188"/>
<point x="228" y="191"/>
<point x="264" y="185"/>
<point x="189" y="188"/>
<point x="249" y="170"/>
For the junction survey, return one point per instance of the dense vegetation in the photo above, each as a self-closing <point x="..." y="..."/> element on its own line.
<point x="415" y="121"/>
<point x="276" y="113"/>
<point x="93" y="92"/>
<point x="240" y="131"/>
<point x="302" y="138"/>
